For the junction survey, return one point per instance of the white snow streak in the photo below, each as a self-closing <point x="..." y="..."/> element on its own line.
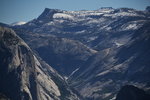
<point x="62" y="15"/>
<point x="74" y="72"/>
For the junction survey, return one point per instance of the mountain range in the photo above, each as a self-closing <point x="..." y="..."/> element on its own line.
<point x="77" y="55"/>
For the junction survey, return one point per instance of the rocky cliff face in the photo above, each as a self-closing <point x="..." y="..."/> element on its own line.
<point x="23" y="76"/>
<point x="65" y="55"/>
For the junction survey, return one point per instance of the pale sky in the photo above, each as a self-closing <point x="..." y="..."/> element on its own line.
<point x="26" y="10"/>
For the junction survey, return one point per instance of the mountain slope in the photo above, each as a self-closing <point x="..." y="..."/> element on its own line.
<point x="23" y="76"/>
<point x="106" y="72"/>
<point x="63" y="54"/>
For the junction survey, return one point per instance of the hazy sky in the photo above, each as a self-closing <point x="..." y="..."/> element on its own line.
<point x="25" y="10"/>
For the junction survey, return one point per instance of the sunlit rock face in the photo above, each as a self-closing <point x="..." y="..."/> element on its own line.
<point x="65" y="55"/>
<point x="23" y="76"/>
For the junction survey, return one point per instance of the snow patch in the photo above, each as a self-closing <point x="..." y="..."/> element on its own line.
<point x="131" y="26"/>
<point x="106" y="95"/>
<point x="103" y="73"/>
<point x="74" y="72"/>
<point x="106" y="10"/>
<point x="121" y="14"/>
<point x="62" y="15"/>
<point x="118" y="44"/>
<point x="50" y="23"/>
<point x="18" y="23"/>
<point x="92" y="38"/>
<point x="80" y="32"/>
<point x="66" y="78"/>
<point x="106" y="27"/>
<point x="114" y="98"/>
<point x="93" y="21"/>
<point x="125" y="14"/>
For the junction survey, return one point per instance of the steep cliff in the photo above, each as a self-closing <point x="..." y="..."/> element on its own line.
<point x="23" y="76"/>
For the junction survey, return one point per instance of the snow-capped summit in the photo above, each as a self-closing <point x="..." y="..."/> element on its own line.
<point x="18" y="23"/>
<point x="61" y="15"/>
